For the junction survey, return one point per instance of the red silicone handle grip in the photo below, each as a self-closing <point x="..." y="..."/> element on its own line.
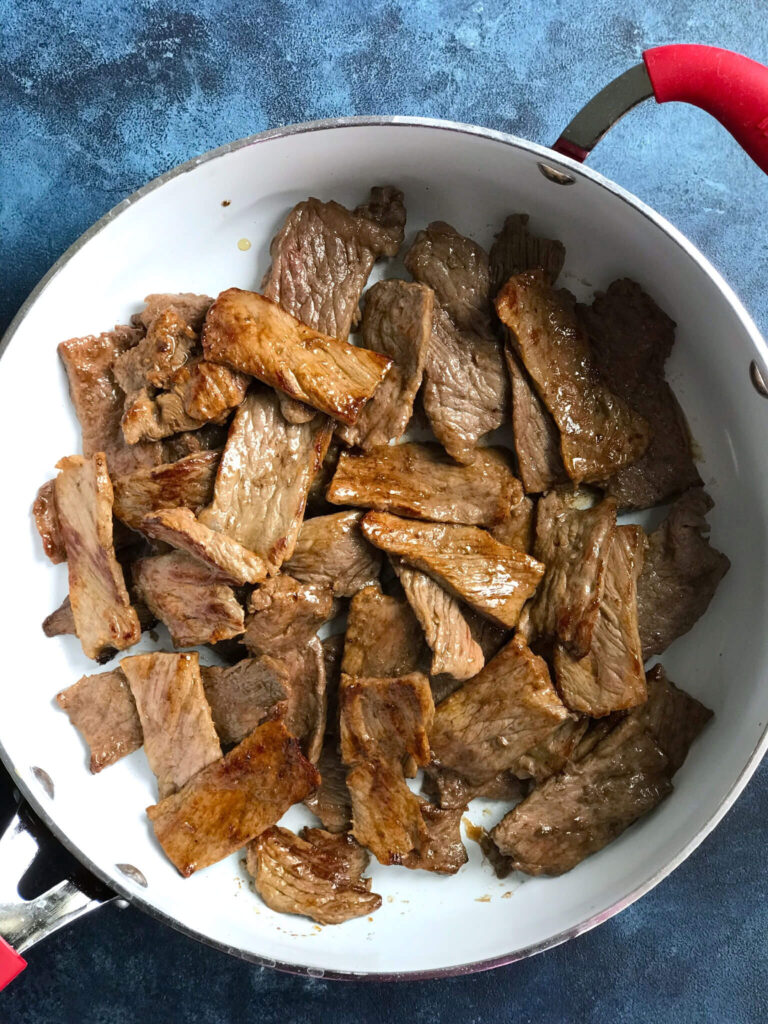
<point x="11" y="963"/>
<point x="732" y="88"/>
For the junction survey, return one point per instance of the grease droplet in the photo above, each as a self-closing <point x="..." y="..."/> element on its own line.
<point x="244" y="245"/>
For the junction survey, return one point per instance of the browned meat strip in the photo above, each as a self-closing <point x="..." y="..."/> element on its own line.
<point x="419" y="481"/>
<point x="294" y="876"/>
<point x="233" y="800"/>
<point x="189" y="306"/>
<point x="671" y="717"/>
<point x="588" y="805"/>
<point x="551" y="754"/>
<point x="397" y="321"/>
<point x="60" y="622"/>
<point x="385" y="719"/>
<point x="383" y="636"/>
<point x="493" y="720"/>
<point x="264" y="477"/>
<point x="207" y="438"/>
<point x="252" y="334"/>
<point x="386" y="815"/>
<point x="599" y="432"/>
<point x="467" y="561"/>
<point x="610" y="677"/>
<point x="516" y="529"/>
<point x="179" y="737"/>
<point x="208" y="391"/>
<point x="332" y="552"/>
<point x="516" y="249"/>
<point x="148" y="418"/>
<point x="331" y="802"/>
<point x="631" y="339"/>
<point x="316" y="501"/>
<point x="453" y="791"/>
<point x="105" y="621"/>
<point x="443" y="850"/>
<point x="188" y="483"/>
<point x="447" y="632"/>
<point x="306" y="705"/>
<point x="573" y="544"/>
<point x="537" y="440"/>
<point x="103" y="711"/>
<point x="47" y="523"/>
<point x="285" y="615"/>
<point x="164" y="349"/>
<point x="229" y="560"/>
<point x="680" y="574"/>
<point x="243" y="695"/>
<point x="186" y="596"/>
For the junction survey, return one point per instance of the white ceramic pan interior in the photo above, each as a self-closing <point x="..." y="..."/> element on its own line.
<point x="179" y="237"/>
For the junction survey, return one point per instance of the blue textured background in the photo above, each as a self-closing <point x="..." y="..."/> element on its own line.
<point x="93" y="103"/>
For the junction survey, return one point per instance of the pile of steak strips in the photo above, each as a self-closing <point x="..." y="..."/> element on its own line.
<point x="244" y="480"/>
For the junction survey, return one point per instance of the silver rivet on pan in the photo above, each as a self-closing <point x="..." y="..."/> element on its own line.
<point x="758" y="380"/>
<point x="44" y="779"/>
<point x="121" y="904"/>
<point x="133" y="873"/>
<point x="558" y="177"/>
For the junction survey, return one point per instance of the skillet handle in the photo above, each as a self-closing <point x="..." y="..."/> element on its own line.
<point x="730" y="87"/>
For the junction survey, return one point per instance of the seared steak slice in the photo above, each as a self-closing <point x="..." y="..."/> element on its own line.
<point x="208" y="391"/>
<point x="537" y="439"/>
<point x="316" y="500"/>
<point x="332" y="552"/>
<point x="164" y="349"/>
<point x="443" y="850"/>
<point x="516" y="528"/>
<point x="671" y="717"/>
<point x="252" y="334"/>
<point x="680" y="574"/>
<point x="179" y="736"/>
<point x="233" y="800"/>
<point x="47" y="523"/>
<point x="467" y="561"/>
<point x="516" y="249"/>
<point x="331" y="802"/>
<point x="187" y="305"/>
<point x="105" y="621"/>
<point x="243" y="695"/>
<point x="152" y="418"/>
<point x="322" y="882"/>
<point x="285" y="615"/>
<point x="188" y="483"/>
<point x="386" y="815"/>
<point x="494" y="719"/>
<point x="447" y="632"/>
<point x="453" y="791"/>
<point x="610" y="677"/>
<point x="60" y="622"/>
<point x="385" y="719"/>
<point x="550" y="755"/>
<point x="209" y="437"/>
<point x="589" y="804"/>
<point x="186" y="596"/>
<point x="573" y="543"/>
<point x="383" y="636"/>
<point x="419" y="481"/>
<point x="599" y="432"/>
<point x="397" y="322"/>
<point x="306" y="705"/>
<point x="103" y="711"/>
<point x="229" y="560"/>
<point x="631" y="339"/>
<point x="264" y="477"/>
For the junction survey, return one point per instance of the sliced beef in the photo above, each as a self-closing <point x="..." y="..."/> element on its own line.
<point x="385" y="719"/>
<point x="573" y="543"/>
<point x="306" y="705"/>
<point x="164" y="349"/>
<point x="516" y="529"/>
<point x="332" y="552"/>
<point x="486" y="634"/>
<point x="610" y="677"/>
<point x="102" y="709"/>
<point x="187" y="597"/>
<point x="189" y="306"/>
<point x="586" y="806"/>
<point x="453" y="791"/>
<point x="60" y="622"/>
<point x="419" y="481"/>
<point x="383" y="636"/>
<point x="264" y="477"/>
<point x="550" y="755"/>
<point x="331" y="802"/>
<point x="208" y="391"/>
<point x="599" y="432"/>
<point x="105" y="621"/>
<point x="47" y="523"/>
<point x="447" y="632"/>
<point x="442" y="851"/>
<point x="516" y="249"/>
<point x="209" y="437"/>
<point x="320" y="881"/>
<point x="386" y="815"/>
<point x="680" y="574"/>
<point x="233" y="800"/>
<point x="188" y="483"/>
<point x="226" y="557"/>
<point x="632" y="339"/>
<point x="671" y="717"/>
<point x="397" y="322"/>
<point x="537" y="439"/>
<point x="316" y="500"/>
<point x="467" y="561"/>
<point x="285" y="615"/>
<point x="242" y="696"/>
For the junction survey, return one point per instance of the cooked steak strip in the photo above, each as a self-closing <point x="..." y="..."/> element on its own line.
<point x="386" y="815"/>
<point x="264" y="477"/>
<point x="442" y="851"/>
<point x="164" y="349"/>
<point x="385" y="719"/>
<point x="229" y="560"/>
<point x="186" y="596"/>
<point x="60" y="622"/>
<point x="105" y="621"/>
<point x="610" y="677"/>
<point x="550" y="755"/>
<point x="188" y="483"/>
<point x="242" y="696"/>
<point x="493" y="720"/>
<point x="208" y="391"/>
<point x="467" y="561"/>
<point x="233" y="800"/>
<point x="316" y="500"/>
<point x="331" y="551"/>
<point x="419" y="481"/>
<point x="252" y="334"/>
<point x="102" y="709"/>
<point x="331" y="802"/>
<point x="453" y="791"/>
<point x="285" y="615"/>
<point x="589" y="804"/>
<point x="397" y="322"/>
<point x="671" y="717"/>
<point x="47" y="523"/>
<point x="191" y="308"/>
<point x="516" y="528"/>
<point x="573" y="543"/>
<point x="294" y="876"/>
<point x="306" y="705"/>
<point x="680" y="574"/>
<point x="383" y="636"/>
<point x="447" y="632"/>
<point x="516" y="249"/>
<point x="599" y="432"/>
<point x="632" y="339"/>
<point x="537" y="439"/>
